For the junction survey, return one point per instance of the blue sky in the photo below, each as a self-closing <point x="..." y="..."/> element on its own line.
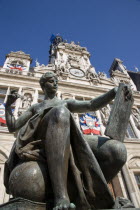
<point x="108" y="28"/>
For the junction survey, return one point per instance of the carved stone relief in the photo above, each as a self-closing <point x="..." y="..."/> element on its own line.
<point x="73" y="47"/>
<point x="74" y="61"/>
<point x="27" y="100"/>
<point x="136" y="117"/>
<point x="17" y="61"/>
<point x="102" y="75"/>
<point x="105" y="112"/>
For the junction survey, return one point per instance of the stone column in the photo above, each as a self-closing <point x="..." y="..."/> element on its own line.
<point x="7" y="93"/>
<point x="17" y="104"/>
<point x="35" y="99"/>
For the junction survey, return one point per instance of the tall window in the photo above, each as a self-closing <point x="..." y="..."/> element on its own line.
<point x="137" y="177"/>
<point x="130" y="132"/>
<point x="3" y="91"/>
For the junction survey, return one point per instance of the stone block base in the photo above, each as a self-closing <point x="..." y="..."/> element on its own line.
<point x="23" y="204"/>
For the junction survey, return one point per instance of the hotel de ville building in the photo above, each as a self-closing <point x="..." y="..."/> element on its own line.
<point x="79" y="80"/>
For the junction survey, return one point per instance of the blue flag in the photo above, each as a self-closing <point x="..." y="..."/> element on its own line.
<point x="52" y="38"/>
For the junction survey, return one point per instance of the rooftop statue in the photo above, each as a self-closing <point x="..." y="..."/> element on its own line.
<point x="52" y="161"/>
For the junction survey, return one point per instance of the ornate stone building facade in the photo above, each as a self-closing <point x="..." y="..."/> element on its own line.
<point x="78" y="79"/>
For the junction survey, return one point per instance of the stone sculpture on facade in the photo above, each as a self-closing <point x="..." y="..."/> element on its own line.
<point x="91" y="73"/>
<point x="55" y="41"/>
<point x="37" y="64"/>
<point x="105" y="112"/>
<point x="92" y="76"/>
<point x="102" y="75"/>
<point x="73" y="47"/>
<point x="61" y="67"/>
<point x="136" y="117"/>
<point x="27" y="100"/>
<point x="52" y="162"/>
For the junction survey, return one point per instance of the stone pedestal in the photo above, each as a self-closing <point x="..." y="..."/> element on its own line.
<point x="23" y="204"/>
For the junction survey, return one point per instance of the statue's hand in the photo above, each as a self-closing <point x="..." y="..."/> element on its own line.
<point x="127" y="92"/>
<point x="12" y="98"/>
<point x="31" y="151"/>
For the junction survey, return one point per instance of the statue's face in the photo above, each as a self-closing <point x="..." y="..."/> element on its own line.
<point x="51" y="85"/>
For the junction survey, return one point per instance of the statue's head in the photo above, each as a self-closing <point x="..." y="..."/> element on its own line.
<point x="57" y="40"/>
<point x="48" y="82"/>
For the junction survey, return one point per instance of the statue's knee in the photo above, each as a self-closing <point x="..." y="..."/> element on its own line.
<point x="62" y="114"/>
<point x="118" y="152"/>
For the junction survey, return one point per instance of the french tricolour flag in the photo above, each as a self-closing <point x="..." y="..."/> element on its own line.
<point x="89" y="124"/>
<point x="18" y="67"/>
<point x="2" y="114"/>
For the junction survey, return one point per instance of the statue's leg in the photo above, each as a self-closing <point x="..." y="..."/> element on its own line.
<point x="56" y="129"/>
<point x="111" y="154"/>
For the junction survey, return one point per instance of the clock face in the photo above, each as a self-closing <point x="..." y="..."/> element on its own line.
<point x="77" y="72"/>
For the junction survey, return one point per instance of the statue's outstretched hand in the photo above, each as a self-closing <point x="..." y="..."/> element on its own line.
<point x="12" y="97"/>
<point x="127" y="92"/>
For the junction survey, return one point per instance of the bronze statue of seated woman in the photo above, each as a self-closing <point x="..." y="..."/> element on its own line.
<point x="52" y="161"/>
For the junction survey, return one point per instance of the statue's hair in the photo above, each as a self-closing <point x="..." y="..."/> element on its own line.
<point x="44" y="78"/>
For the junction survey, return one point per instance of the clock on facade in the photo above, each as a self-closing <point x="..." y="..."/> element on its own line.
<point x="77" y="72"/>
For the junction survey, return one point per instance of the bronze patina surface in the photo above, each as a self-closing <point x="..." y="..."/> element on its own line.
<point x="51" y="161"/>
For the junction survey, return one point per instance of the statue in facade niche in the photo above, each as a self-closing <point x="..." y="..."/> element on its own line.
<point x="55" y="41"/>
<point x="62" y="67"/>
<point x="105" y="112"/>
<point x="136" y="117"/>
<point x="27" y="100"/>
<point x="91" y="73"/>
<point x="37" y="64"/>
<point x="51" y="161"/>
<point x="102" y="75"/>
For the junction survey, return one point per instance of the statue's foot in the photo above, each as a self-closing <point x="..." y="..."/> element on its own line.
<point x="64" y="204"/>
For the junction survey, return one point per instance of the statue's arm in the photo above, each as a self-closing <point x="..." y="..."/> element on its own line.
<point x="12" y="123"/>
<point x="92" y="105"/>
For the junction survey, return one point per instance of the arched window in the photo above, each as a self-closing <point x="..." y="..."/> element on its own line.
<point x="15" y="63"/>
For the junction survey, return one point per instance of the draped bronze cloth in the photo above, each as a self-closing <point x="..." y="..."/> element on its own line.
<point x="89" y="182"/>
